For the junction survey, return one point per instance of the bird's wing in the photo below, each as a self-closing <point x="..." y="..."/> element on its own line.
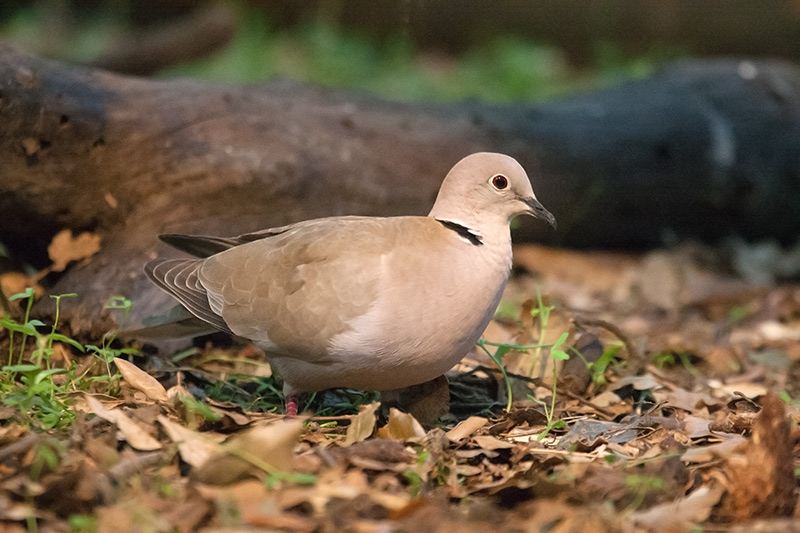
<point x="295" y="291"/>
<point x="179" y="278"/>
<point x="205" y="245"/>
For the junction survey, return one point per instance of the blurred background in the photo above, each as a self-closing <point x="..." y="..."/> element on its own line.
<point x="411" y="50"/>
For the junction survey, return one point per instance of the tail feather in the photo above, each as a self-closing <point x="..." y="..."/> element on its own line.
<point x="179" y="278"/>
<point x="197" y="245"/>
<point x="205" y="246"/>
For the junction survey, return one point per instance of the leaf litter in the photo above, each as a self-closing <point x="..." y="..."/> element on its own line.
<point x="677" y="409"/>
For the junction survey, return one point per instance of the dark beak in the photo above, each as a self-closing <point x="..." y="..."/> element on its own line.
<point x="537" y="210"/>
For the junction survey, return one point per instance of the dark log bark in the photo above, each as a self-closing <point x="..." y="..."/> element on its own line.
<point x="703" y="149"/>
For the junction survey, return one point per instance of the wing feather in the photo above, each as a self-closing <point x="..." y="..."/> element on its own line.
<point x="179" y="278"/>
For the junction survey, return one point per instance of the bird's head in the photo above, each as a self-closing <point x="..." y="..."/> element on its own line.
<point x="486" y="187"/>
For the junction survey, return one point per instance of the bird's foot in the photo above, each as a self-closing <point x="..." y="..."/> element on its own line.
<point x="291" y="405"/>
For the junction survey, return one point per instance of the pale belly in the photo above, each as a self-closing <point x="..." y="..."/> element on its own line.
<point x="391" y="351"/>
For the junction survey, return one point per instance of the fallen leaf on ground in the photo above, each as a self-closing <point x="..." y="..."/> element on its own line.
<point x="401" y="426"/>
<point x="136" y="435"/>
<point x="141" y="380"/>
<point x="361" y="425"/>
<point x="487" y="442"/>
<point x="465" y="428"/>
<point x="65" y="248"/>
<point x="195" y="448"/>
<point x="266" y="448"/>
<point x="680" y="514"/>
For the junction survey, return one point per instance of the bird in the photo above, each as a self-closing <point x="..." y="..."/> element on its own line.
<point x="367" y="303"/>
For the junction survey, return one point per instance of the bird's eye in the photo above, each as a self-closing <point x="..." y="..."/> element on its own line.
<point x="500" y="182"/>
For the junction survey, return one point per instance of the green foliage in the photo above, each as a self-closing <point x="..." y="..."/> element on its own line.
<point x="46" y="457"/>
<point x="739" y="313"/>
<point x="196" y="407"/>
<point x="542" y="312"/>
<point x="337" y="402"/>
<point x="31" y="387"/>
<point x="250" y="393"/>
<point x="105" y="352"/>
<point x="263" y="394"/>
<point x="503" y="69"/>
<point x="414" y="475"/>
<point x="598" y="368"/>
<point x="558" y="354"/>
<point x="557" y="351"/>
<point x="788" y="400"/>
<point x="667" y="359"/>
<point x="663" y="359"/>
<point x="81" y="523"/>
<point x="497" y="357"/>
<point x="40" y="392"/>
<point x="27" y="328"/>
<point x="39" y="398"/>
<point x="641" y="486"/>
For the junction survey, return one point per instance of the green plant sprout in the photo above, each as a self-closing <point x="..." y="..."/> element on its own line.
<point x="105" y="352"/>
<point x="542" y="312"/>
<point x="413" y="475"/>
<point x="641" y="486"/>
<point x="598" y="368"/>
<point x="27" y="328"/>
<point x="194" y="407"/>
<point x="497" y="358"/>
<point x="47" y="457"/>
<point x="30" y="386"/>
<point x="787" y="399"/>
<point x="44" y="350"/>
<point x="39" y="398"/>
<point x="664" y="359"/>
<point x="82" y="523"/>
<point x="558" y="354"/>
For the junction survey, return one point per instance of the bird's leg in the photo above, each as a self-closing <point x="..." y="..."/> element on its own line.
<point x="291" y="404"/>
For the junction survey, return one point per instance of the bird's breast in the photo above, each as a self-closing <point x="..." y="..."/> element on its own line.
<point x="422" y="324"/>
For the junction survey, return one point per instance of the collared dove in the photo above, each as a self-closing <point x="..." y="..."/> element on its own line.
<point x="363" y="302"/>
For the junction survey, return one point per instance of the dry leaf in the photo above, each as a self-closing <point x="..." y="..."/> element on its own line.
<point x="712" y="452"/>
<point x="195" y="448"/>
<point x="111" y="200"/>
<point x="16" y="283"/>
<point x="361" y="425"/>
<point x="267" y="448"/>
<point x="746" y="389"/>
<point x="134" y="433"/>
<point x="65" y="248"/>
<point x="257" y="507"/>
<point x="487" y="442"/>
<point x="606" y="398"/>
<point x="465" y="428"/>
<point x="680" y="514"/>
<point x="351" y="486"/>
<point x="645" y="382"/>
<point x="401" y="426"/>
<point x="141" y="380"/>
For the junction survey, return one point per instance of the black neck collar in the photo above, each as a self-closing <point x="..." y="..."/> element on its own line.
<point x="463" y="231"/>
